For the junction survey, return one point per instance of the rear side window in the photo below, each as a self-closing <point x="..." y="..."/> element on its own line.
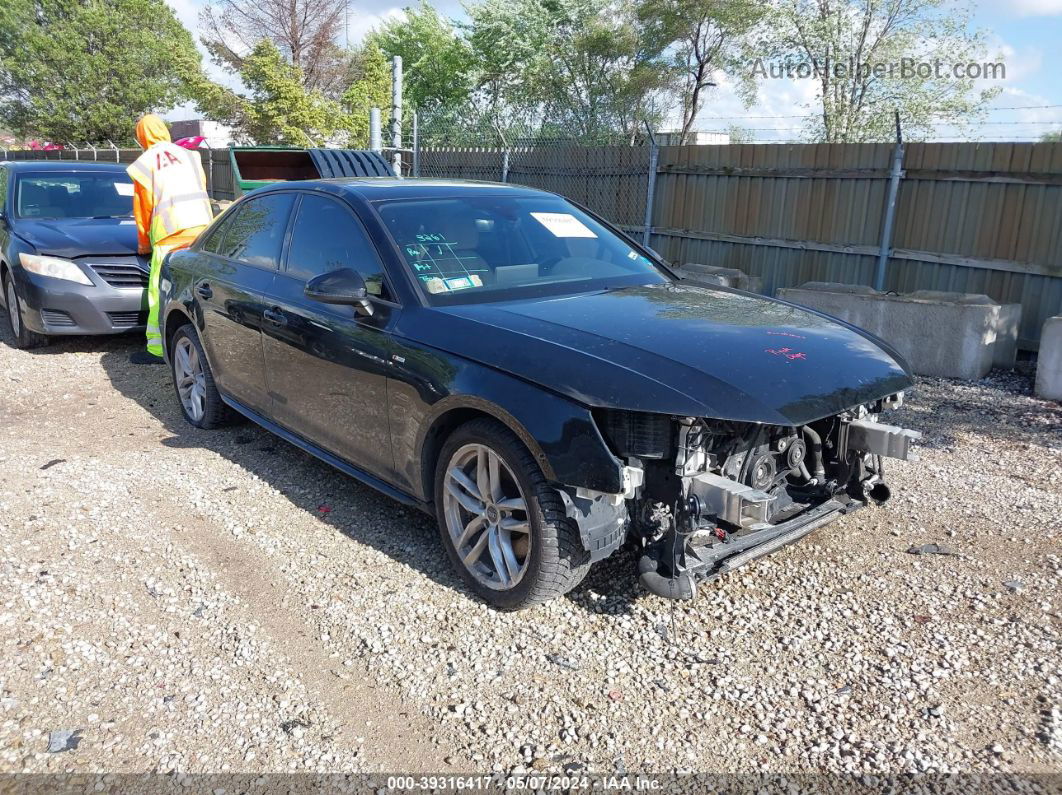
<point x="325" y="237"/>
<point x="255" y="232"/>
<point x="3" y="189"/>
<point x="212" y="242"/>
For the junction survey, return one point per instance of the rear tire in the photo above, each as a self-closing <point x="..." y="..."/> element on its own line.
<point x="24" y="338"/>
<point x="520" y="529"/>
<point x="193" y="382"/>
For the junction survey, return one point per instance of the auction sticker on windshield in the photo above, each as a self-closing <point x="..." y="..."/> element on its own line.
<point x="563" y="225"/>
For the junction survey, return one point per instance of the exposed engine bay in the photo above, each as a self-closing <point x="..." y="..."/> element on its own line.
<point x="706" y="496"/>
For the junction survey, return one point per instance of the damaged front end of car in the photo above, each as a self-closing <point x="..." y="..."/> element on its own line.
<point x="705" y="496"/>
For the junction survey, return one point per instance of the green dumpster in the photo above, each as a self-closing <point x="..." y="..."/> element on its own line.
<point x="256" y="166"/>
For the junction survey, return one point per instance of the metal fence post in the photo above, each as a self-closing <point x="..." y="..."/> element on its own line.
<point x="375" y="133"/>
<point x="416" y="145"/>
<point x="505" y="165"/>
<point x="115" y="148"/>
<point x="396" y="113"/>
<point x="890" y="209"/>
<point x="93" y="148"/>
<point x="650" y="192"/>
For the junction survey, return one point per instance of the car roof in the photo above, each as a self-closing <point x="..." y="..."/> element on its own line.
<point x="378" y="188"/>
<point x="59" y="165"/>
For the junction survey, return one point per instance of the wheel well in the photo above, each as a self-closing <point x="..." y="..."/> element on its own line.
<point x="444" y="425"/>
<point x="171" y="326"/>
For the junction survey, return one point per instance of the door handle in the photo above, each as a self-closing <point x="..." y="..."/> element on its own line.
<point x="275" y="316"/>
<point x="204" y="291"/>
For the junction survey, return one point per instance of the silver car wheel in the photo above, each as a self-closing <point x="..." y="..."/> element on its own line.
<point x="12" y="308"/>
<point x="190" y="378"/>
<point x="487" y="517"/>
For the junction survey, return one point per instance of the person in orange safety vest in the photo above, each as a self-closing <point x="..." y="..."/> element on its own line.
<point x="171" y="207"/>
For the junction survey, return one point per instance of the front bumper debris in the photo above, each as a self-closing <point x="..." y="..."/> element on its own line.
<point x="704" y="563"/>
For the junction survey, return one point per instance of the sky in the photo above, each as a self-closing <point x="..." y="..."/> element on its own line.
<point x="1025" y="33"/>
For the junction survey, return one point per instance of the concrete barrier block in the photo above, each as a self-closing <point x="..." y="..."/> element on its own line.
<point x="1049" y="361"/>
<point x="711" y="275"/>
<point x="941" y="334"/>
<point x="1005" y="352"/>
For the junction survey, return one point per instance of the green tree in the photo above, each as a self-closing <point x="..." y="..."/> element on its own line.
<point x="573" y="68"/>
<point x="370" y="87"/>
<point x="856" y="51"/>
<point x="436" y="61"/>
<point x="700" y="38"/>
<point x="277" y="109"/>
<point x="84" y="70"/>
<point x="1052" y="136"/>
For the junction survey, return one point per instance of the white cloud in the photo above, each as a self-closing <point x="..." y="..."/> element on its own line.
<point x="1021" y="63"/>
<point x="359" y="24"/>
<point x="1037" y="8"/>
<point x="780" y="99"/>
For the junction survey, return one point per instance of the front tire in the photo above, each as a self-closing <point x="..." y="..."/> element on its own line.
<point x="194" y="382"/>
<point x="24" y="338"/>
<point x="503" y="527"/>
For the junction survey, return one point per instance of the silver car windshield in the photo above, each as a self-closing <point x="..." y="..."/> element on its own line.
<point x="74" y="194"/>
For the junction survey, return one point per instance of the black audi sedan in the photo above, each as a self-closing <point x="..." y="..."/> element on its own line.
<point x="68" y="251"/>
<point x="540" y="383"/>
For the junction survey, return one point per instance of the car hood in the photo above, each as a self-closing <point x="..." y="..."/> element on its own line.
<point x="676" y="349"/>
<point x="78" y="237"/>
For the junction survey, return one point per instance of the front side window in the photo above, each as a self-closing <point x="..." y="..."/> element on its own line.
<point x="74" y="194"/>
<point x="326" y="237"/>
<point x="477" y="248"/>
<point x="255" y="232"/>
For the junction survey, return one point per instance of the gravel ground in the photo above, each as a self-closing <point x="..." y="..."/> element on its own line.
<point x="219" y="601"/>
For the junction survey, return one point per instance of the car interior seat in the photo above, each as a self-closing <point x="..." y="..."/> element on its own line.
<point x="459" y="254"/>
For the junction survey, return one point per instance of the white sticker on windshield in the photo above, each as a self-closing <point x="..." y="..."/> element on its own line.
<point x="124" y="188"/>
<point x="563" y="225"/>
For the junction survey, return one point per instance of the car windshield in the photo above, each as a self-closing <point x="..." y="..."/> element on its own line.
<point x="74" y="194"/>
<point x="477" y="248"/>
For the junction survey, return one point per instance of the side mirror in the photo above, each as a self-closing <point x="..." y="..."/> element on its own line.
<point x="344" y="286"/>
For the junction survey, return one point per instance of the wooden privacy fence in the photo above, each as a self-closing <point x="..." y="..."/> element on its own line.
<point x="971" y="217"/>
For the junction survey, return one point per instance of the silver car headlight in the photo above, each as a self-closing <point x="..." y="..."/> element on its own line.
<point x="54" y="267"/>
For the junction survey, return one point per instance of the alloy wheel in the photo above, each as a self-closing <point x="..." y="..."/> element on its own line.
<point x="12" y="308"/>
<point x="487" y="517"/>
<point x="190" y="378"/>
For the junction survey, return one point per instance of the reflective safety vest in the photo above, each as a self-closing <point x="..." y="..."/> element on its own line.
<point x="174" y="178"/>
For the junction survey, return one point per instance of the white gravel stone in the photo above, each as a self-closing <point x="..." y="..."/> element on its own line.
<point x="179" y="597"/>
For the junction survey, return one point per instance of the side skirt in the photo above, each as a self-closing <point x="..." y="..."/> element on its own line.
<point x="363" y="477"/>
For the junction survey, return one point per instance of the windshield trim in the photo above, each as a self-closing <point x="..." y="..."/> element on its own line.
<point x="16" y="190"/>
<point x="578" y="287"/>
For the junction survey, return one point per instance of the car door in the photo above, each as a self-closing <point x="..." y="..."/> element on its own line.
<point x="240" y="261"/>
<point x="326" y="365"/>
<point x="5" y="232"/>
